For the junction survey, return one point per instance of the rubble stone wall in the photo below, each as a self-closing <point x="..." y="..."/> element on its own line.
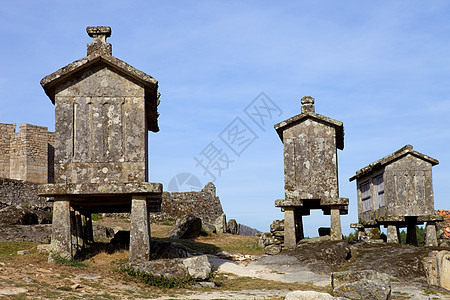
<point x="204" y="204"/>
<point x="17" y="192"/>
<point x="28" y="154"/>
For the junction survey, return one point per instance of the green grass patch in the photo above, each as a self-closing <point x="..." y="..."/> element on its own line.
<point x="69" y="262"/>
<point x="8" y="249"/>
<point x="156" y="281"/>
<point x="96" y="217"/>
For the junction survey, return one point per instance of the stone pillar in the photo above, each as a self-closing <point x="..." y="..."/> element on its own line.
<point x="289" y="228"/>
<point x="78" y="232"/>
<point x="140" y="230"/>
<point x="299" y="235"/>
<point x="411" y="234"/>
<point x="430" y="234"/>
<point x="89" y="230"/>
<point x="61" y="242"/>
<point x="392" y="234"/>
<point x="335" y="228"/>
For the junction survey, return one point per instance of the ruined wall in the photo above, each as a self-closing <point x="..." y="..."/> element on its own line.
<point x="28" y="154"/>
<point x="6" y="132"/>
<point x="17" y="192"/>
<point x="204" y="204"/>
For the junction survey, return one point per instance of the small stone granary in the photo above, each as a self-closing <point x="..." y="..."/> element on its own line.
<point x="104" y="109"/>
<point x="310" y="170"/>
<point x="397" y="191"/>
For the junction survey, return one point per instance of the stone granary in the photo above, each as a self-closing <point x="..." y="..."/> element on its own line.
<point x="310" y="171"/>
<point x="397" y="191"/>
<point x="104" y="109"/>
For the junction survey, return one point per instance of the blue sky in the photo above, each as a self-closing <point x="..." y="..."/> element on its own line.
<point x="380" y="67"/>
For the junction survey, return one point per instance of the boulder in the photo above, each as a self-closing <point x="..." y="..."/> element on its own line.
<point x="164" y="249"/>
<point x="221" y="223"/>
<point x="18" y="215"/>
<point x="338" y="278"/>
<point x="209" y="228"/>
<point x="437" y="268"/>
<point x="367" y="284"/>
<point x="266" y="239"/>
<point x="309" y="295"/>
<point x="232" y="227"/>
<point x="186" y="228"/>
<point x="364" y="289"/>
<point x="272" y="249"/>
<point x="195" y="267"/>
<point x="102" y="231"/>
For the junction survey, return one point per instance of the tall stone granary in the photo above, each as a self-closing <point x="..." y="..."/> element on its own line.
<point x="310" y="171"/>
<point x="104" y="109"/>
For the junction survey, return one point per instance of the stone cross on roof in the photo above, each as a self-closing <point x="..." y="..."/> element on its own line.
<point x="99" y="33"/>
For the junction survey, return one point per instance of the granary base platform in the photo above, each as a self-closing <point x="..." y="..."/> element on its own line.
<point x="74" y="204"/>
<point x="393" y="224"/>
<point x="294" y="210"/>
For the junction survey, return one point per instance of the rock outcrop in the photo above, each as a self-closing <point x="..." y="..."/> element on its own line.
<point x="366" y="284"/>
<point x="437" y="268"/>
<point x="195" y="267"/>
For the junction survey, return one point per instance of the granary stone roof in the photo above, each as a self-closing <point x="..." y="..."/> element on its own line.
<point x="100" y="52"/>
<point x="308" y="113"/>
<point x="408" y="149"/>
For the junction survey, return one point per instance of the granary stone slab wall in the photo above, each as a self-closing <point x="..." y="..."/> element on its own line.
<point x="27" y="154"/>
<point x="109" y="106"/>
<point x="310" y="161"/>
<point x="17" y="192"/>
<point x="204" y="204"/>
<point x="409" y="187"/>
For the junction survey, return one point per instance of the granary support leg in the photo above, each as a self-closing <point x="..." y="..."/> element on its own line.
<point x="392" y="234"/>
<point x="290" y="235"/>
<point x="61" y="241"/>
<point x="140" y="230"/>
<point x="299" y="235"/>
<point x="89" y="229"/>
<point x="335" y="220"/>
<point x="78" y="234"/>
<point x="411" y="234"/>
<point x="430" y="234"/>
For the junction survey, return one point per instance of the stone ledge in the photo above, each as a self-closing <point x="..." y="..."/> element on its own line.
<point x="299" y="202"/>
<point x="64" y="189"/>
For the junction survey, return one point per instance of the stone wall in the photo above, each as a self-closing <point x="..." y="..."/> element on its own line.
<point x="17" y="192"/>
<point x="204" y="204"/>
<point x="28" y="154"/>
